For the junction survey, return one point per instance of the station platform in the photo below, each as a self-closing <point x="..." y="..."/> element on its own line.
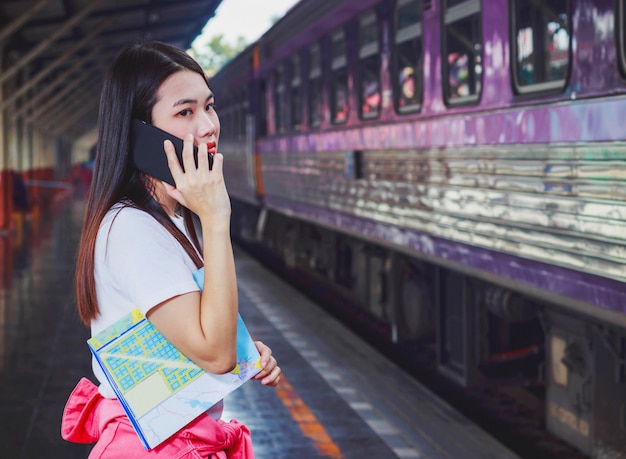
<point x="338" y="397"/>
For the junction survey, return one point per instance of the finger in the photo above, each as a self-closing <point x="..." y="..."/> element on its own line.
<point x="172" y="160"/>
<point x="265" y="352"/>
<point x="273" y="378"/>
<point x="203" y="158"/>
<point x="267" y="369"/>
<point x="218" y="163"/>
<point x="260" y="346"/>
<point x="174" y="193"/>
<point x="169" y="188"/>
<point x="189" y="162"/>
<point x="266" y="357"/>
<point x="261" y="375"/>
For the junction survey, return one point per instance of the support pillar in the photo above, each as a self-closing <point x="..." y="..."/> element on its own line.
<point x="6" y="187"/>
<point x="6" y="200"/>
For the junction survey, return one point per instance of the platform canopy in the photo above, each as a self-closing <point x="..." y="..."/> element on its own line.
<point x="54" y="53"/>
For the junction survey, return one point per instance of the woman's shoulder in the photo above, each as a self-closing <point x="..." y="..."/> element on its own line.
<point x="127" y="213"/>
<point x="125" y="218"/>
<point x="129" y="231"/>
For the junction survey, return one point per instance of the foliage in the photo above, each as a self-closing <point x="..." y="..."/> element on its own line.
<point x="215" y="53"/>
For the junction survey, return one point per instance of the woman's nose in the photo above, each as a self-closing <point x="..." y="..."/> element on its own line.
<point x="207" y="126"/>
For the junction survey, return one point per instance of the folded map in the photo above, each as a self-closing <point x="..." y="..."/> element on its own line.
<point x="160" y="389"/>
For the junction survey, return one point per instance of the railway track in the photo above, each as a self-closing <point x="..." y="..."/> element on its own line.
<point x="514" y="416"/>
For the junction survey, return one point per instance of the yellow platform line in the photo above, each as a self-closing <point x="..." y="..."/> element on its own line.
<point x="306" y="420"/>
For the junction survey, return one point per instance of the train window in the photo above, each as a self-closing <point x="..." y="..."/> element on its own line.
<point x="296" y="93"/>
<point x="280" y="99"/>
<point x="541" y="44"/>
<point x="462" y="51"/>
<point x="339" y="78"/>
<point x="369" y="67"/>
<point x="315" y="86"/>
<point x="407" y="81"/>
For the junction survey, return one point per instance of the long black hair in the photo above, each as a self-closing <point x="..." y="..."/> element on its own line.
<point x="129" y="91"/>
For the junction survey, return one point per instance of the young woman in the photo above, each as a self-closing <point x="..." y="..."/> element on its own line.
<point x="137" y="251"/>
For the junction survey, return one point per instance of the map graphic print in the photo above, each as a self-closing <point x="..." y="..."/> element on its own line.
<point x="161" y="389"/>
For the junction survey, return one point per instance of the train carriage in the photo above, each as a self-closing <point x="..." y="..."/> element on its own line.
<point x="456" y="167"/>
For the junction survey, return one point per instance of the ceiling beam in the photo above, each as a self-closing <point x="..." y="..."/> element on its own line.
<point x="149" y="28"/>
<point x="21" y="20"/>
<point x="48" y="106"/>
<point x="70" y="106"/>
<point x="49" y="87"/>
<point x="137" y="8"/>
<point x="50" y="67"/>
<point x="21" y="63"/>
<point x="72" y="119"/>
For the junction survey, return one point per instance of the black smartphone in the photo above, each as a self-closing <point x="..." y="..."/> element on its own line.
<point x="147" y="154"/>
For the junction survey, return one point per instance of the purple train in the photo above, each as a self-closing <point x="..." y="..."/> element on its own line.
<point x="456" y="167"/>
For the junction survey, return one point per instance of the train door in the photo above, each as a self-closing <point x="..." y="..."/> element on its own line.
<point x="455" y="337"/>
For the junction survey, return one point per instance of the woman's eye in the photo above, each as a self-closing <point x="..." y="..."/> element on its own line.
<point x="211" y="107"/>
<point x="186" y="112"/>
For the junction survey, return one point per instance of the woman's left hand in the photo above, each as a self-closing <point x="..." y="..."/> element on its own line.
<point x="270" y="374"/>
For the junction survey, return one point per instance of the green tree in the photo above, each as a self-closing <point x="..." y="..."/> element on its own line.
<point x="215" y="53"/>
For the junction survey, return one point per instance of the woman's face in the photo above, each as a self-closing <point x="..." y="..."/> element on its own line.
<point x="185" y="105"/>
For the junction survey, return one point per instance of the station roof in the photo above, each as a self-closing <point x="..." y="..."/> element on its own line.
<point x="54" y="53"/>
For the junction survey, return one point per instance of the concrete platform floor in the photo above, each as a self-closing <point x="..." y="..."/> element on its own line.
<point x="338" y="398"/>
<point x="43" y="354"/>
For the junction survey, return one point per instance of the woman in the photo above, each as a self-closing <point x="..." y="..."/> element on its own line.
<point x="137" y="252"/>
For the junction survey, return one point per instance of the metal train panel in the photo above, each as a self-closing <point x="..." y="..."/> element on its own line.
<point x="418" y="197"/>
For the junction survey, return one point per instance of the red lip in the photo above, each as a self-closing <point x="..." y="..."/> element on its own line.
<point x="211" y="147"/>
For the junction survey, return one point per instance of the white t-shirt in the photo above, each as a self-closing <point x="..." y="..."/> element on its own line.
<point x="138" y="264"/>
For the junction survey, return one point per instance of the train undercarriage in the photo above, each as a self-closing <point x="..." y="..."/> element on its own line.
<point x="549" y="369"/>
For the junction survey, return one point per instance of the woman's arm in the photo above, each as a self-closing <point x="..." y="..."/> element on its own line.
<point x="203" y="326"/>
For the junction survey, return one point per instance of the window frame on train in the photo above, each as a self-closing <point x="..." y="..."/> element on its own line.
<point x="369" y="66"/>
<point x="407" y="72"/>
<point x="281" y="120"/>
<point x="315" y="86"/>
<point x="536" y="20"/>
<point x="620" y="35"/>
<point x="339" y="76"/>
<point x="469" y="11"/>
<point x="296" y="99"/>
